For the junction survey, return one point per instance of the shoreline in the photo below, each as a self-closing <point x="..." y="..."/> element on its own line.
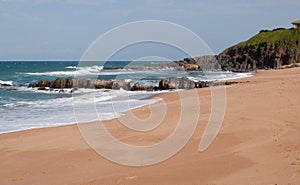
<point x="72" y="123"/>
<point x="150" y="97"/>
<point x="258" y="143"/>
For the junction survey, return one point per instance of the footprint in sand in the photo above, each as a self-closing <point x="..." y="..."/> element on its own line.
<point x="16" y="179"/>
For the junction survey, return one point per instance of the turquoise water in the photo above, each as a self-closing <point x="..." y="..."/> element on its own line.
<point x="24" y="108"/>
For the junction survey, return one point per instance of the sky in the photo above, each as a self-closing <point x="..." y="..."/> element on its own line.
<point x="64" y="29"/>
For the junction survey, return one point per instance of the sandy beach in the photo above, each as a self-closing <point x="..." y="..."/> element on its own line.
<point x="258" y="143"/>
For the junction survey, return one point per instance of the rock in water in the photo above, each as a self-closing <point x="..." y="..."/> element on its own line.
<point x="165" y="84"/>
<point x="176" y="83"/>
<point x="62" y="83"/>
<point x="5" y="85"/>
<point x="103" y="84"/>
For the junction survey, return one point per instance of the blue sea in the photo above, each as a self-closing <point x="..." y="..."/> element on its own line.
<point x="25" y="108"/>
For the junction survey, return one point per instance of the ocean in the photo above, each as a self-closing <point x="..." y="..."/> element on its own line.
<point x="24" y="108"/>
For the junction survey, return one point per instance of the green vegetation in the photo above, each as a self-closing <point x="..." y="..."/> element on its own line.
<point x="296" y="22"/>
<point x="279" y="38"/>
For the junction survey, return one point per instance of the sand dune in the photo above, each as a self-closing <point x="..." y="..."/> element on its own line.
<point x="259" y="143"/>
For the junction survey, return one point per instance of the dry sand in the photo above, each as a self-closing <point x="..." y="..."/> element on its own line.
<point x="259" y="143"/>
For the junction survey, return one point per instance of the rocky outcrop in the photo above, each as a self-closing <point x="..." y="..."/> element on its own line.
<point x="188" y="64"/>
<point x="207" y="63"/>
<point x="178" y="65"/>
<point x="176" y="83"/>
<point x="204" y="63"/>
<point x="62" y="83"/>
<point x="165" y="84"/>
<point x="58" y="83"/>
<point x="266" y="50"/>
<point x="185" y="83"/>
<point x="267" y="56"/>
<point x="5" y="85"/>
<point x="273" y="49"/>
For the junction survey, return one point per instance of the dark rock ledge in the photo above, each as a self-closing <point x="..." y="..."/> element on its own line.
<point x="5" y="85"/>
<point x="164" y="84"/>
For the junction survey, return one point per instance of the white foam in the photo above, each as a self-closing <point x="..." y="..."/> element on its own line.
<point x="80" y="71"/>
<point x="120" y="72"/>
<point x="59" y="111"/>
<point x="53" y="73"/>
<point x="71" y="67"/>
<point x="217" y="76"/>
<point x="6" y="83"/>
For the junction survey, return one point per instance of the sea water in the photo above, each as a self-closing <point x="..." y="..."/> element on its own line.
<point x="24" y="108"/>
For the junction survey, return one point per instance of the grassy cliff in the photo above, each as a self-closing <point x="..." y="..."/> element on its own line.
<point x="267" y="49"/>
<point x="278" y="37"/>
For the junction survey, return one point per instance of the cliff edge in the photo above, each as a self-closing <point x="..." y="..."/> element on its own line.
<point x="269" y="49"/>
